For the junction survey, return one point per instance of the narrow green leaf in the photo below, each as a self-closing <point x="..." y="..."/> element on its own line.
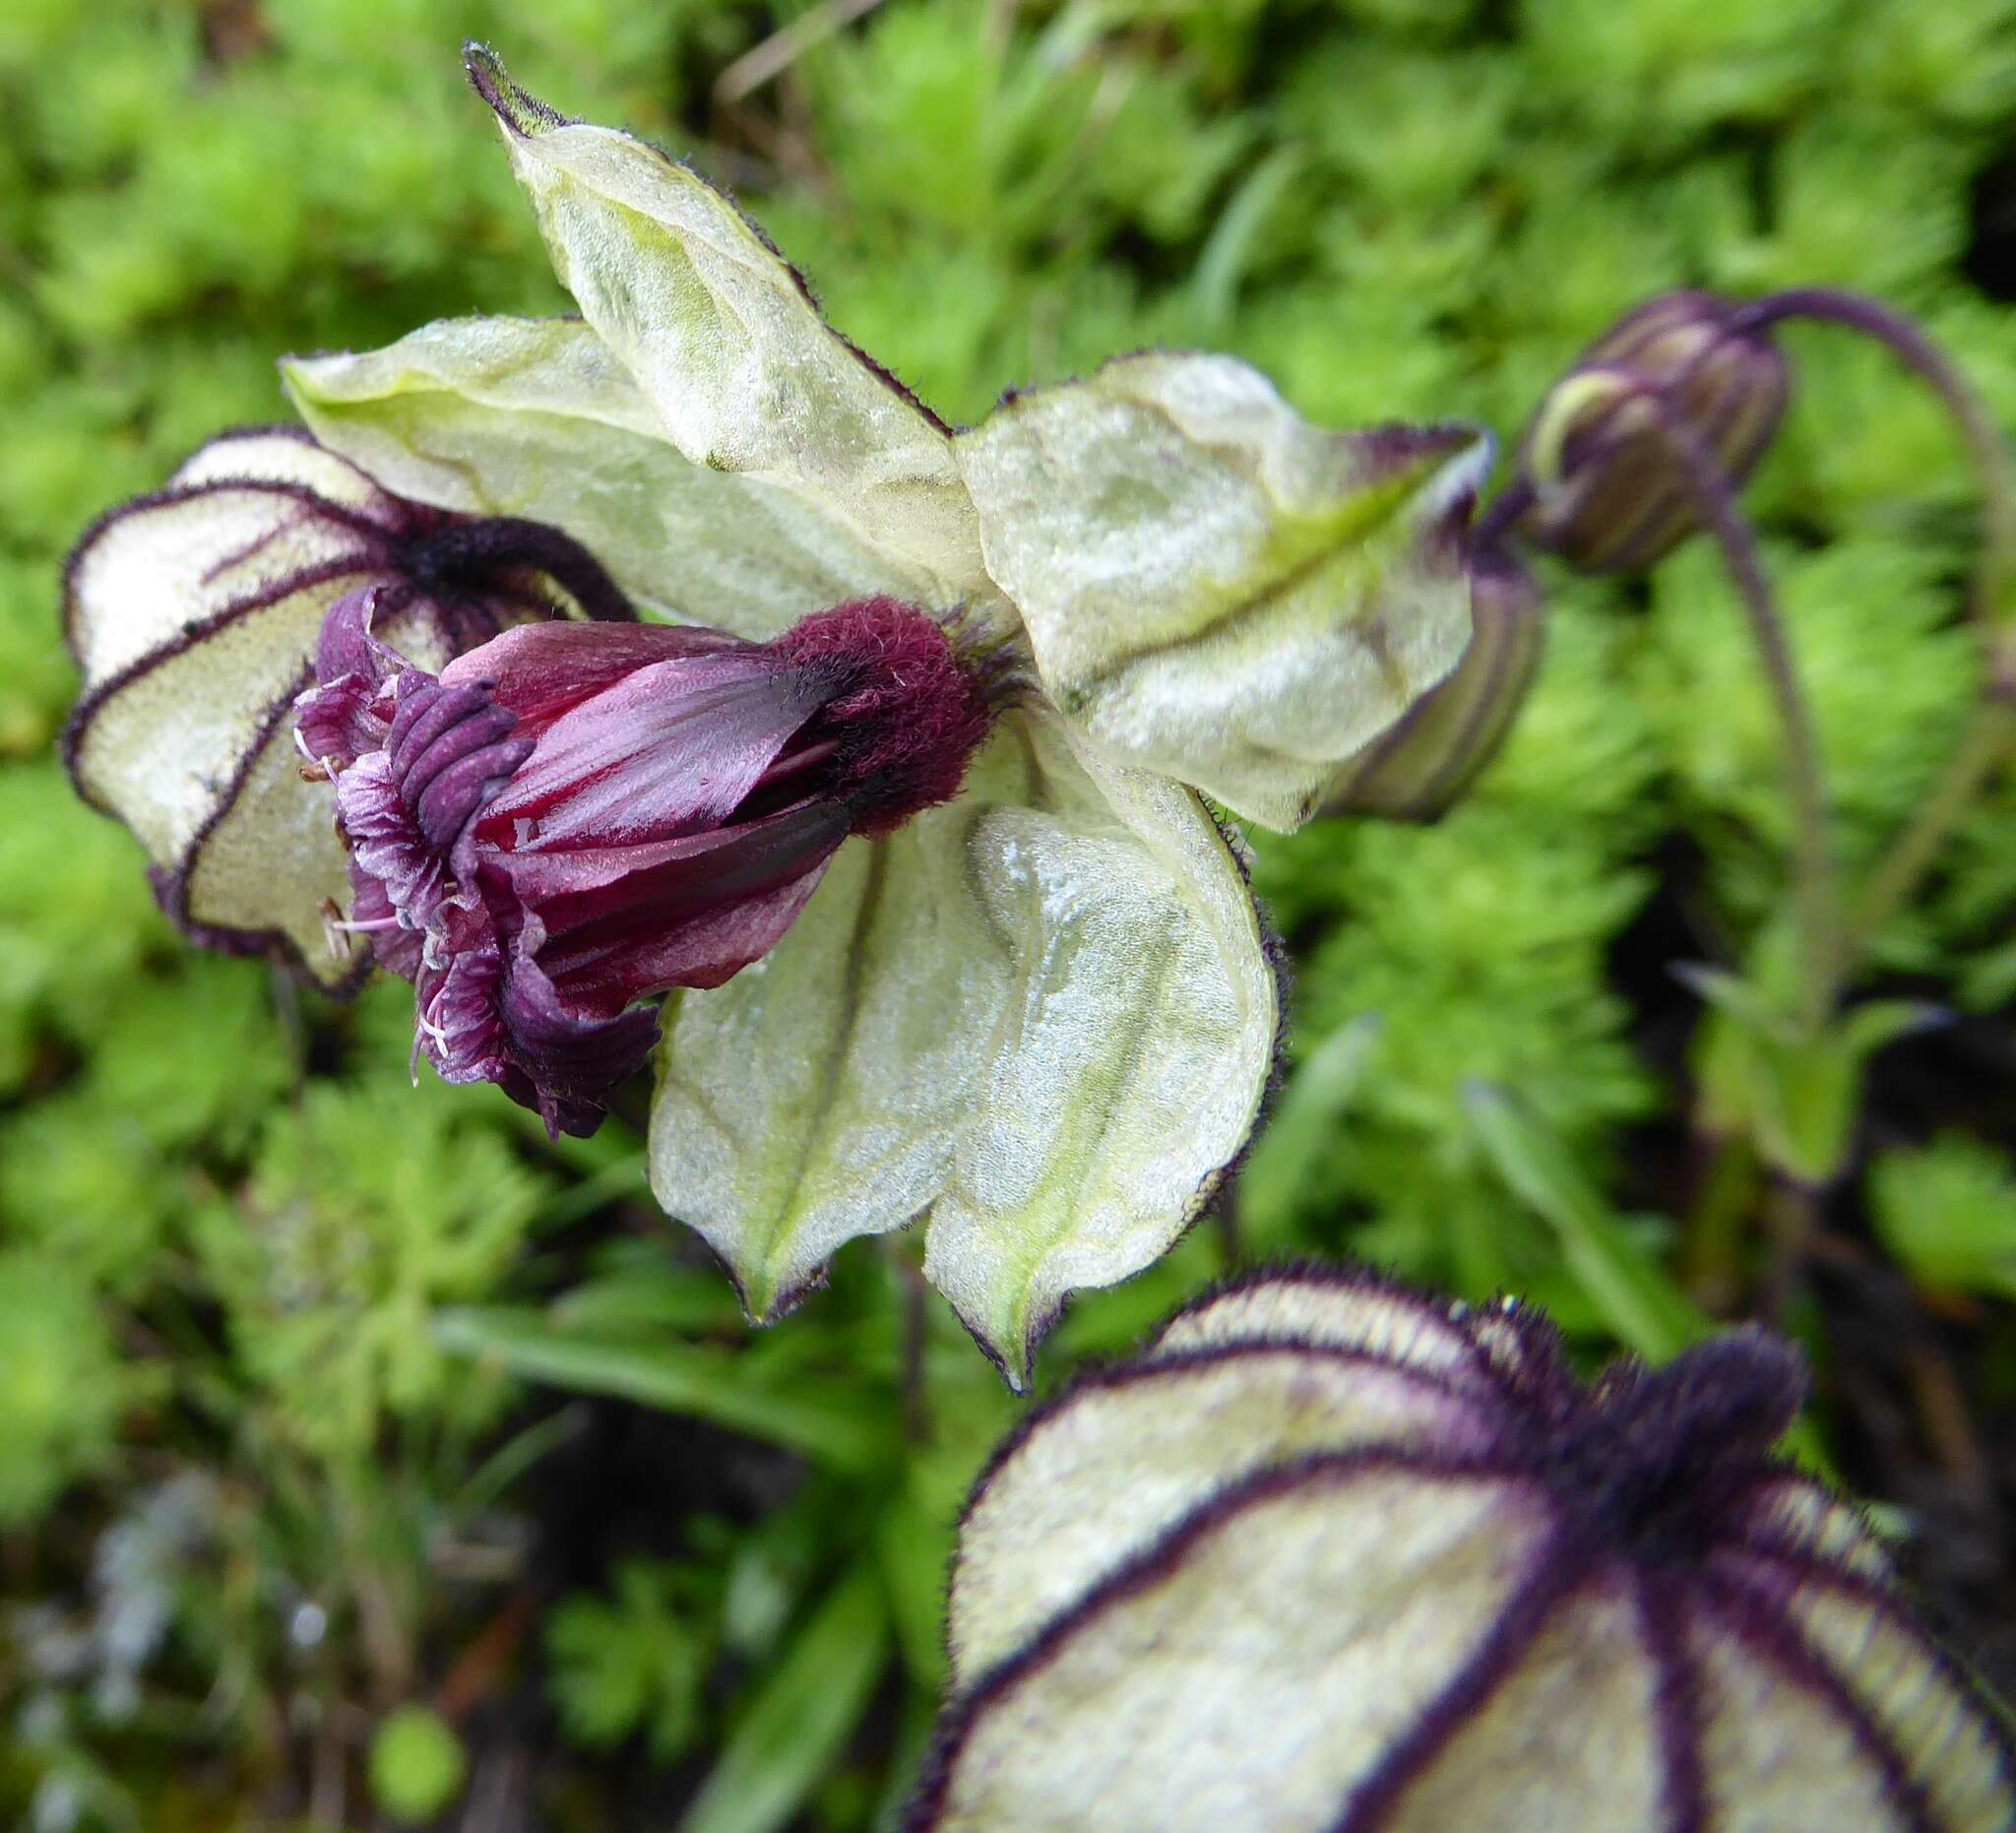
<point x="1318" y="1096"/>
<point x="710" y="1384"/>
<point x="1230" y="249"/>
<point x="1642" y="1306"/>
<point x="1646" y="1310"/>
<point x="645" y="1300"/>
<point x="802" y="1716"/>
<point x="915" y="1547"/>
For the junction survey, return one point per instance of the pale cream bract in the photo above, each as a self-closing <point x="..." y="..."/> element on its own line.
<point x="1333" y="1555"/>
<point x="1041" y="1019"/>
<point x="1214" y="589"/>
<point x="192" y="615"/>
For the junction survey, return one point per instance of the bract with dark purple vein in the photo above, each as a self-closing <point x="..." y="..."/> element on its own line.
<point x="1417" y="769"/>
<point x="1332" y="1555"/>
<point x="193" y="616"/>
<point x="1612" y="493"/>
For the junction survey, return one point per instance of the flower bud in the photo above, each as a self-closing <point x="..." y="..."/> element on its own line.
<point x="1417" y="770"/>
<point x="1332" y="1555"/>
<point x="193" y="616"/>
<point x="1611" y="493"/>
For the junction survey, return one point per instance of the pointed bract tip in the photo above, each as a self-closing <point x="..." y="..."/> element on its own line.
<point x="519" y="110"/>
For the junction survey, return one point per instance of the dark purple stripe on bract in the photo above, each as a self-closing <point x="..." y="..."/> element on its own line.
<point x="1755" y="1616"/>
<point x="1675" y="1703"/>
<point x="1552" y="1379"/>
<point x="1186" y="1362"/>
<point x="171" y="887"/>
<point x="1781" y="1572"/>
<point x="191" y="636"/>
<point x="1559" y="1569"/>
<point x="171" y="494"/>
<point x="963" y="1715"/>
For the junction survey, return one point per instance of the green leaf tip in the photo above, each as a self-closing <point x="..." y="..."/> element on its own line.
<point x="516" y="109"/>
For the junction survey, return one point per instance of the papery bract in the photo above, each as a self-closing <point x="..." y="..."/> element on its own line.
<point x="1420" y="767"/>
<point x="1331" y="1554"/>
<point x="1038" y="1017"/>
<point x="193" y="616"/>
<point x="1212" y="587"/>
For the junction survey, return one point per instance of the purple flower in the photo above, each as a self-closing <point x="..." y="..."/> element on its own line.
<point x="573" y="817"/>
<point x="1333" y="1555"/>
<point x="193" y="616"/>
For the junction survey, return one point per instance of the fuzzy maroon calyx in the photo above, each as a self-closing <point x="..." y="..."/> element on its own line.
<point x="905" y="713"/>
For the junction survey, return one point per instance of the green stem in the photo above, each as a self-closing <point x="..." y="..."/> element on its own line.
<point x="1984" y="746"/>
<point x="1805" y="782"/>
<point x="1988" y="740"/>
<point x="1711" y="1253"/>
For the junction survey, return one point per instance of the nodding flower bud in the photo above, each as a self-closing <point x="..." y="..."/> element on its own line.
<point x="1419" y="768"/>
<point x="1611" y="489"/>
<point x="573" y="817"/>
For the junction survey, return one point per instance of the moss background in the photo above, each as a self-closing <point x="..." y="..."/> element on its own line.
<point x="362" y="1459"/>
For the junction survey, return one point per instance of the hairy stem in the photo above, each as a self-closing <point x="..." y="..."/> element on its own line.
<point x="1985" y="449"/>
<point x="1988" y="738"/>
<point x="1501" y="515"/>
<point x="1805" y="782"/>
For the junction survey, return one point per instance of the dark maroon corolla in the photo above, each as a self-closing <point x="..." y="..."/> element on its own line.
<point x="574" y="818"/>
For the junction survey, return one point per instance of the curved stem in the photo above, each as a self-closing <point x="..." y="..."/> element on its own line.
<point x="1804" y="780"/>
<point x="1990" y="736"/>
<point x="1501" y="515"/>
<point x="1985" y="447"/>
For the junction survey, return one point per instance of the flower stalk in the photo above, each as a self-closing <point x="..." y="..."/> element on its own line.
<point x="1989" y="735"/>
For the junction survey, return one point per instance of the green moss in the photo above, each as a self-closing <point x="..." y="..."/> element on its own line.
<point x="1396" y="208"/>
<point x="60" y="1383"/>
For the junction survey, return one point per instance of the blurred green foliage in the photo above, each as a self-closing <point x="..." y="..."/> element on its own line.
<point x="273" y="1324"/>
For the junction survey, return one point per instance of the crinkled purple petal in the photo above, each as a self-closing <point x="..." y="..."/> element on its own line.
<point x="342" y="716"/>
<point x="396" y="948"/>
<point x="569" y="1064"/>
<point x="387" y="845"/>
<point x="346" y="645"/>
<point x="451" y="750"/>
<point x="541" y="670"/>
<point x="673" y="748"/>
<point x="579" y="818"/>
<point x="457" y="998"/>
<point x="621" y="922"/>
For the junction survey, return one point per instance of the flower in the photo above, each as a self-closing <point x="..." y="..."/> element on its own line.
<point x="1040" y="1015"/>
<point x="1334" y="1555"/>
<point x="1612" y="493"/>
<point x="224" y="576"/>
<point x="569" y="819"/>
